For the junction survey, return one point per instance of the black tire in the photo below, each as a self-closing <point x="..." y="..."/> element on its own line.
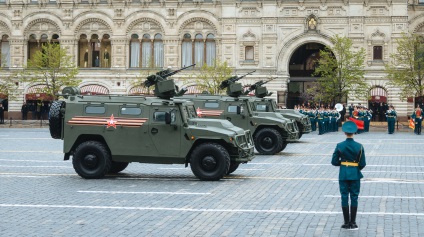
<point x="283" y="146"/>
<point x="117" y="167"/>
<point x="233" y="167"/>
<point x="55" y="119"/>
<point x="209" y="161"/>
<point x="300" y="126"/>
<point x="92" y="160"/>
<point x="268" y="141"/>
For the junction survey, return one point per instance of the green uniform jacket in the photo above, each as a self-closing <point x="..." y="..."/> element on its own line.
<point x="349" y="151"/>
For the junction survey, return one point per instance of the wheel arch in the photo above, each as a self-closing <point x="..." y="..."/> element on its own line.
<point x="87" y="137"/>
<point x="206" y="140"/>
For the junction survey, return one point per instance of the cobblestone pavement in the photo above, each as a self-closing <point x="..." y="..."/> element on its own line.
<point x="294" y="193"/>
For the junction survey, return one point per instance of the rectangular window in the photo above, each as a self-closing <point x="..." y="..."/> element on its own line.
<point x="261" y="107"/>
<point x="159" y="116"/>
<point x="212" y="105"/>
<point x="232" y="109"/>
<point x="249" y="53"/>
<point x="130" y="111"/>
<point x="378" y="53"/>
<point x="95" y="110"/>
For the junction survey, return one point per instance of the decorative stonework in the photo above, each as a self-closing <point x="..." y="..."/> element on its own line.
<point x="191" y="25"/>
<point x="144" y="25"/>
<point x="42" y="26"/>
<point x="93" y="26"/>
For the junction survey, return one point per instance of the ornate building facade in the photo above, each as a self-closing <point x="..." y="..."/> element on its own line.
<point x="113" y="41"/>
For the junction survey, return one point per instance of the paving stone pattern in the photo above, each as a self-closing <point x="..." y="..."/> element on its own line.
<point x="294" y="193"/>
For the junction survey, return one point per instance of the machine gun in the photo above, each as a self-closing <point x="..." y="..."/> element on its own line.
<point x="164" y="89"/>
<point x="232" y="80"/>
<point x="234" y="89"/>
<point x="260" y="90"/>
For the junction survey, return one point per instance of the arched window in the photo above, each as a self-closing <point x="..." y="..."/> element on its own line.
<point x="146" y="51"/>
<point x="55" y="39"/>
<point x="32" y="45"/>
<point x="204" y="50"/>
<point x="134" y="51"/>
<point x="158" y="50"/>
<point x="187" y="50"/>
<point x="5" y="51"/>
<point x="210" y="50"/>
<point x="105" y="51"/>
<point x="199" y="50"/>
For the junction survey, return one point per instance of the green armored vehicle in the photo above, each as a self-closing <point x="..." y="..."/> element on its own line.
<point x="269" y="105"/>
<point x="271" y="131"/>
<point x="103" y="134"/>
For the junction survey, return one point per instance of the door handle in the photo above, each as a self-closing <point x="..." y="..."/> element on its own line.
<point x="154" y="130"/>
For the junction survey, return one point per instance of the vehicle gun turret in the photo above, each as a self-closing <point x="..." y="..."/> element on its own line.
<point x="260" y="90"/>
<point x="234" y="89"/>
<point x="164" y="88"/>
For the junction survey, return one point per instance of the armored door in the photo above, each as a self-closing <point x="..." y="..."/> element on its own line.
<point x="165" y="137"/>
<point x="237" y="113"/>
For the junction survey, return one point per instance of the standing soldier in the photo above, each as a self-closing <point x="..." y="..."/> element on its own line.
<point x="367" y="119"/>
<point x="350" y="156"/>
<point x="417" y="116"/>
<point x="320" y="118"/>
<point x="312" y="115"/>
<point x="391" y="119"/>
<point x="351" y="109"/>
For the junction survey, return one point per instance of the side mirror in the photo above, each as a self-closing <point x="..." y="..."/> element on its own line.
<point x="168" y="118"/>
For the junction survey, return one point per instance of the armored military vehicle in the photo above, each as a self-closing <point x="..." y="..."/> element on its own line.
<point x="269" y="105"/>
<point x="103" y="134"/>
<point x="271" y="131"/>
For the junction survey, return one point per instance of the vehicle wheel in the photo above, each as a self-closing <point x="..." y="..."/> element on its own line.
<point x="117" y="167"/>
<point x="210" y="161"/>
<point x="233" y="167"/>
<point x="268" y="141"/>
<point x="55" y="119"/>
<point x="92" y="160"/>
<point x="284" y="146"/>
<point x="300" y="126"/>
<point x="300" y="134"/>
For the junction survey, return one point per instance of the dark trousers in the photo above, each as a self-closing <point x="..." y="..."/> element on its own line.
<point x="320" y="126"/>
<point x="391" y="125"/>
<point x="418" y="124"/>
<point x="313" y="124"/>
<point x="352" y="188"/>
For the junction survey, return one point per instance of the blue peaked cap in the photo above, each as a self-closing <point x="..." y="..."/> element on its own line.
<point x="349" y="127"/>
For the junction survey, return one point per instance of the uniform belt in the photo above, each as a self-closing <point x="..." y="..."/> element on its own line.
<point x="349" y="163"/>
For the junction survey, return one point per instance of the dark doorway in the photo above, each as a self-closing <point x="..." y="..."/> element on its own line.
<point x="302" y="66"/>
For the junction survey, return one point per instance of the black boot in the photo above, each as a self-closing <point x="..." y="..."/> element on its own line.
<point x="353" y="224"/>
<point x="346" y="224"/>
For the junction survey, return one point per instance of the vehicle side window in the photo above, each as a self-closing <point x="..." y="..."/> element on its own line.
<point x="159" y="116"/>
<point x="212" y="105"/>
<point x="232" y="109"/>
<point x="95" y="109"/>
<point x="130" y="111"/>
<point x="261" y="107"/>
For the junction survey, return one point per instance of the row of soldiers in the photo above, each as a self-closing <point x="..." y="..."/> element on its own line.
<point x="325" y="119"/>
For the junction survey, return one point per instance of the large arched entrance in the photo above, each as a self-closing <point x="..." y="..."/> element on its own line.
<point x="377" y="102"/>
<point x="301" y="67"/>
